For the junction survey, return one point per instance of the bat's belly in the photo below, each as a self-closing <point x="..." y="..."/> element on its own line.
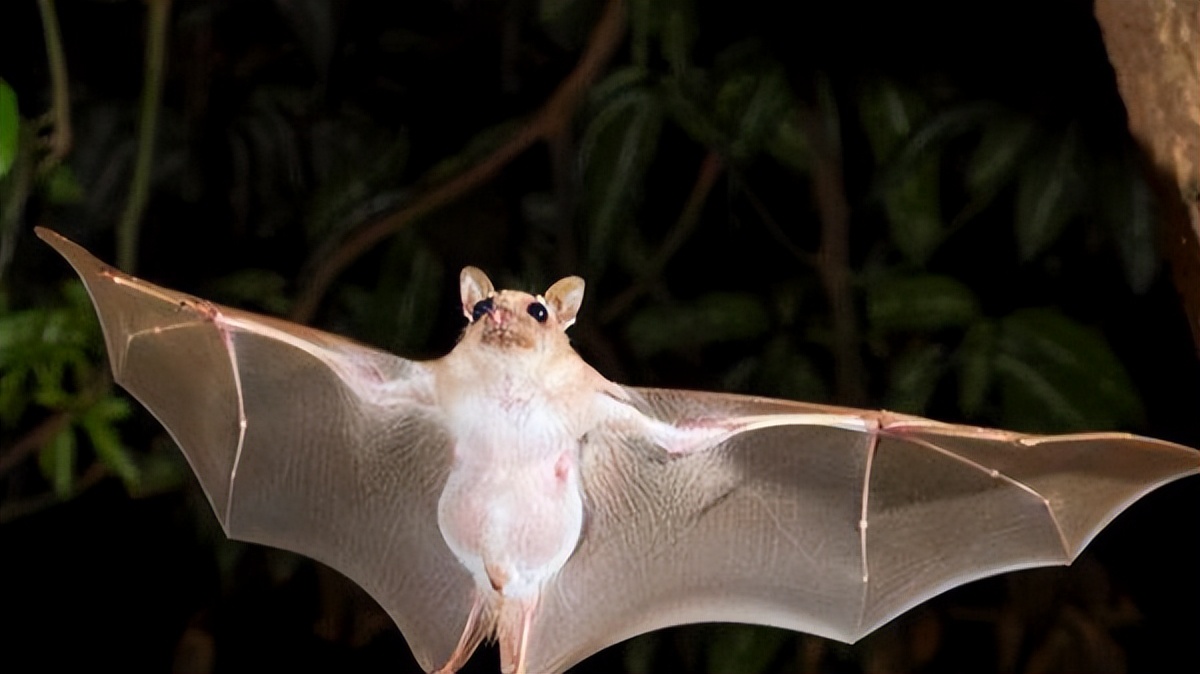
<point x="513" y="526"/>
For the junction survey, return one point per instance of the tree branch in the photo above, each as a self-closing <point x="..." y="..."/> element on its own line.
<point x="60" y="106"/>
<point x="710" y="169"/>
<point x="152" y="85"/>
<point x="553" y="117"/>
<point x="833" y="258"/>
<point x="1153" y="49"/>
<point x="32" y="441"/>
<point x="17" y="509"/>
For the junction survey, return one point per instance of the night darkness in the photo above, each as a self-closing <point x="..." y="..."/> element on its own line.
<point x="699" y="183"/>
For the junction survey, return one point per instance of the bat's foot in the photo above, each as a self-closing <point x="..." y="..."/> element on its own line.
<point x="516" y="616"/>
<point x="473" y="633"/>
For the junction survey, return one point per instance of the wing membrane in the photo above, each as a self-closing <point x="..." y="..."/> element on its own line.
<point x="824" y="529"/>
<point x="301" y="440"/>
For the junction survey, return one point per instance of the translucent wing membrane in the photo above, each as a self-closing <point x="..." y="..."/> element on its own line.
<point x="301" y="440"/>
<point x="697" y="507"/>
<point x="820" y="528"/>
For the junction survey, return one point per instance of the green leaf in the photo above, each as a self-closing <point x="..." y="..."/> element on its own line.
<point x="1057" y="375"/>
<point x="976" y="357"/>
<point x="996" y="160"/>
<point x="688" y="109"/>
<point x="567" y="21"/>
<point x="911" y="136"/>
<point x="913" y="378"/>
<point x="790" y="145"/>
<point x="111" y="409"/>
<point x="401" y="310"/>
<point x="642" y="25"/>
<point x="709" y="319"/>
<point x="12" y="397"/>
<point x="10" y="127"/>
<point x="907" y="143"/>
<point x="784" y="372"/>
<point x="159" y="472"/>
<point x="57" y="462"/>
<point x="679" y="33"/>
<point x="44" y="357"/>
<point x="750" y="104"/>
<point x="672" y="22"/>
<point x="355" y="164"/>
<point x="62" y="187"/>
<point x="1126" y="207"/>
<point x="914" y="211"/>
<point x="922" y="304"/>
<point x="97" y="424"/>
<point x="617" y="149"/>
<point x="618" y="82"/>
<point x="889" y="114"/>
<point x="1048" y="195"/>
<point x="744" y="649"/>
<point x="48" y="384"/>
<point x="1136" y="232"/>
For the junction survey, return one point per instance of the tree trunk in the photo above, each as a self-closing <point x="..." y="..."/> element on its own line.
<point x="1154" y="47"/>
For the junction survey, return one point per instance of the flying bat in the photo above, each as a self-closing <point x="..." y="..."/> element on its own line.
<point x="509" y="491"/>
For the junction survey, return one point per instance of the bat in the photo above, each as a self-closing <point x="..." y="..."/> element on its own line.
<point x="509" y="491"/>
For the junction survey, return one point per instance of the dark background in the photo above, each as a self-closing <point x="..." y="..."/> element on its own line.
<point x="999" y="262"/>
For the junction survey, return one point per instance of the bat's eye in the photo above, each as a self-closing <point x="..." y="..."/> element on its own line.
<point x="481" y="307"/>
<point x="538" y="311"/>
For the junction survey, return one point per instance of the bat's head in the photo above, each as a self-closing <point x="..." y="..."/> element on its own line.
<point x="513" y="319"/>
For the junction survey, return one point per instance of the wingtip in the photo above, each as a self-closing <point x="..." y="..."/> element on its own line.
<point x="55" y="240"/>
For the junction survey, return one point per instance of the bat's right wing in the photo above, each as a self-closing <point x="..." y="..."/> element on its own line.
<point x="824" y="520"/>
<point x="301" y="440"/>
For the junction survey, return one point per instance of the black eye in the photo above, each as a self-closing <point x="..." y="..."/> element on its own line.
<point x="481" y="307"/>
<point x="538" y="311"/>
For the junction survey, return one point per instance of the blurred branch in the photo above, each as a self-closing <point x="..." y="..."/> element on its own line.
<point x="139" y="190"/>
<point x="18" y="509"/>
<point x="60" y="106"/>
<point x="710" y="169"/>
<point x="833" y="258"/>
<point x="553" y="117"/>
<point x="774" y="229"/>
<point x="32" y="441"/>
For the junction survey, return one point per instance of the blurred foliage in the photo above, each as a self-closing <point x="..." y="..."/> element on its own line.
<point x="9" y="127"/>
<point x="50" y="365"/>
<point x="1000" y="238"/>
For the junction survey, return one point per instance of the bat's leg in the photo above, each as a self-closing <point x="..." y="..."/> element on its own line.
<point x="472" y="634"/>
<point x="516" y="617"/>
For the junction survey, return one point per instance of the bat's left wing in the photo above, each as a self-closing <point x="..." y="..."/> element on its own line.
<point x="302" y="440"/>
<point x="824" y="520"/>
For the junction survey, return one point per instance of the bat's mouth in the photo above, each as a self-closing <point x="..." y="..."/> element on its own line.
<point x="504" y="336"/>
<point x="502" y="329"/>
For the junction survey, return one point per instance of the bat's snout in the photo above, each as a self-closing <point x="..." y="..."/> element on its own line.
<point x="498" y="315"/>
<point x="501" y="327"/>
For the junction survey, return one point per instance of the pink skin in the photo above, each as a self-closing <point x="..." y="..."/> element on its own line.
<point x="511" y="523"/>
<point x="512" y="507"/>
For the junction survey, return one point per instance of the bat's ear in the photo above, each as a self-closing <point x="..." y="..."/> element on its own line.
<point x="473" y="285"/>
<point x="564" y="297"/>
